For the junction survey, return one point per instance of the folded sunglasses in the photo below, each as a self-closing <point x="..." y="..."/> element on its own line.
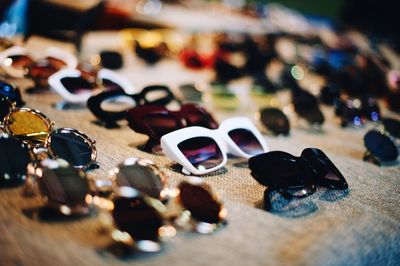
<point x="295" y="177"/>
<point x="75" y="86"/>
<point x="201" y="150"/>
<point x="17" y="63"/>
<point x="111" y="106"/>
<point x="36" y="129"/>
<point x="156" y="121"/>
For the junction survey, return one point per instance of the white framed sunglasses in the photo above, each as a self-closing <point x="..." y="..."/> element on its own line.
<point x="201" y="150"/>
<point x="75" y="88"/>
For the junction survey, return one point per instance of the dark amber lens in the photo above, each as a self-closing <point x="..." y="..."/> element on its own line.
<point x="202" y="152"/>
<point x="132" y="214"/>
<point x="55" y="62"/>
<point x="27" y="125"/>
<point x="275" y="121"/>
<point x="41" y="70"/>
<point x="20" y="61"/>
<point x="201" y="204"/>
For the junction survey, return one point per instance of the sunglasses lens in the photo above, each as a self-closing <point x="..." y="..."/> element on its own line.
<point x="11" y="92"/>
<point x="392" y="126"/>
<point x="41" y="70"/>
<point x="28" y="125"/>
<point x="325" y="170"/>
<point x="77" y="85"/>
<point x="5" y="107"/>
<point x="55" y="62"/>
<point x="202" y="152"/>
<point x="145" y="178"/>
<point x="63" y="184"/>
<point x="132" y="214"/>
<point x="306" y="106"/>
<point x="201" y="204"/>
<point x="275" y="121"/>
<point x="277" y="168"/>
<point x="72" y="147"/>
<point x="14" y="158"/>
<point x="161" y="123"/>
<point x="246" y="141"/>
<point x="380" y="146"/>
<point x="19" y="61"/>
<point x="110" y="85"/>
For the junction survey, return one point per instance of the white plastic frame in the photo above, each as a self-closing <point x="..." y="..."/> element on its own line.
<point x="170" y="141"/>
<point x="60" y="54"/>
<point x="57" y="86"/>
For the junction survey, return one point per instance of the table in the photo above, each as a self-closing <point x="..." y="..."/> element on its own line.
<point x="358" y="227"/>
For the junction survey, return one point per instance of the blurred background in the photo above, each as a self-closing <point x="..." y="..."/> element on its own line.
<point x="69" y="19"/>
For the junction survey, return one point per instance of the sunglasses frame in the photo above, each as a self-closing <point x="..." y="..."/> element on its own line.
<point x="170" y="141"/>
<point x="309" y="177"/>
<point x="46" y="143"/>
<point x="110" y="118"/>
<point x="69" y="59"/>
<point x="136" y="118"/>
<point x="56" y="84"/>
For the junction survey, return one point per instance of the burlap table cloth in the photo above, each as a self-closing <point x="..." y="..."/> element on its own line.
<point x="358" y="227"/>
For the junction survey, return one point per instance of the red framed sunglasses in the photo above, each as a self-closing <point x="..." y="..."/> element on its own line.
<point x="156" y="121"/>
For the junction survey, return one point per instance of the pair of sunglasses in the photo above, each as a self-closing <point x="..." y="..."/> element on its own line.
<point x="78" y="85"/>
<point x="36" y="129"/>
<point x="201" y="150"/>
<point x="382" y="144"/>
<point x="306" y="106"/>
<point x="275" y="121"/>
<point x="295" y="177"/>
<point x="17" y="63"/>
<point x="111" y="106"/>
<point x="356" y="111"/>
<point x="156" y="121"/>
<point x="139" y="212"/>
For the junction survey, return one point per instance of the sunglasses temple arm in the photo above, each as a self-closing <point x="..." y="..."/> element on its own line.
<point x="36" y="134"/>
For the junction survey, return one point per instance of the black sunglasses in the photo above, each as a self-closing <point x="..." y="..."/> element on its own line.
<point x="150" y="95"/>
<point x="382" y="146"/>
<point x="295" y="177"/>
<point x="275" y="121"/>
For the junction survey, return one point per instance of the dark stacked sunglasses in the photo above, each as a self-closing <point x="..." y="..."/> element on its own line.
<point x="382" y="145"/>
<point x="356" y="111"/>
<point x="151" y="95"/>
<point x="295" y="177"/>
<point x="156" y="121"/>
